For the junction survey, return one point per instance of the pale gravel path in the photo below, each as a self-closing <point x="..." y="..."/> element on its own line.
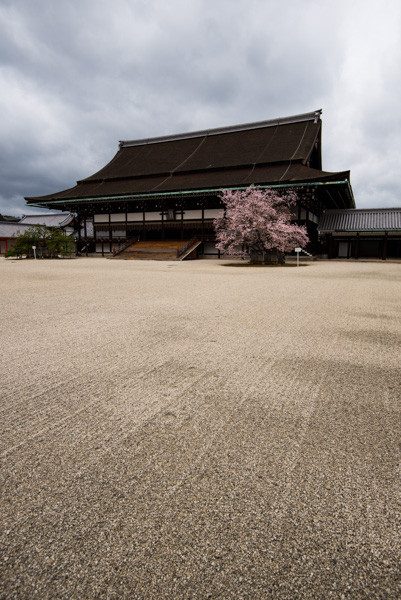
<point x="192" y="430"/>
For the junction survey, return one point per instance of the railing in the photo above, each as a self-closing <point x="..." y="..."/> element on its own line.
<point x="180" y="251"/>
<point x="194" y="240"/>
<point x="125" y="245"/>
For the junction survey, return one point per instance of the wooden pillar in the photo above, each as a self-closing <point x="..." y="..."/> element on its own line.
<point x="110" y="233"/>
<point x="86" y="237"/>
<point x="163" y="231"/>
<point x="182" y="222"/>
<point x="79" y="235"/>
<point x="357" y="246"/>
<point x="330" y="250"/>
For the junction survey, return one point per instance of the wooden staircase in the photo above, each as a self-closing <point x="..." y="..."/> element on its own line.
<point x="167" y="250"/>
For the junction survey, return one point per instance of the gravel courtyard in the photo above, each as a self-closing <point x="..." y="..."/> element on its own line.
<point x="196" y="430"/>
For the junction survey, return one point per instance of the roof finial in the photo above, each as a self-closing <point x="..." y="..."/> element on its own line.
<point x="317" y="115"/>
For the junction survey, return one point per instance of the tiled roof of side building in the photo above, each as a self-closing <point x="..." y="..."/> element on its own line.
<point x="50" y="220"/>
<point x="10" y="229"/>
<point x="378" y="219"/>
<point x="8" y="219"/>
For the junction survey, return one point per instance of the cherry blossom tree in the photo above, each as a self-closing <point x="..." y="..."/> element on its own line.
<point x="257" y="223"/>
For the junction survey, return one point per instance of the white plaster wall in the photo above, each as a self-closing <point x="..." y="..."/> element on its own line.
<point x="192" y="214"/>
<point x="212" y="213"/>
<point x="135" y="217"/>
<point x="105" y="246"/>
<point x="153" y="216"/>
<point x="117" y="217"/>
<point x="101" y="218"/>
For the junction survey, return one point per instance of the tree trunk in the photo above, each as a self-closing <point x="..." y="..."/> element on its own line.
<point x="271" y="257"/>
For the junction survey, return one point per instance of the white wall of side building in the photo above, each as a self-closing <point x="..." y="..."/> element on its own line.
<point x="106" y="248"/>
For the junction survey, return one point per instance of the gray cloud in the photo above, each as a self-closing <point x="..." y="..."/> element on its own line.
<point x="78" y="76"/>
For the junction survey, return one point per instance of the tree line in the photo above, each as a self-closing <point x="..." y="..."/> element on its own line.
<point x="49" y="242"/>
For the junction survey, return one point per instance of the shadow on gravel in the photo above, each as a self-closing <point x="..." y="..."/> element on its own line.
<point x="262" y="266"/>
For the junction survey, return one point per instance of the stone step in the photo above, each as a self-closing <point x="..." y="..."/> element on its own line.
<point x="147" y="256"/>
<point x="166" y="250"/>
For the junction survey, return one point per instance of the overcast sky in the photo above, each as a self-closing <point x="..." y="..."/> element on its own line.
<point x="77" y="76"/>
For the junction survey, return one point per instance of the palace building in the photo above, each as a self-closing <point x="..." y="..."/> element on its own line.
<point x="168" y="188"/>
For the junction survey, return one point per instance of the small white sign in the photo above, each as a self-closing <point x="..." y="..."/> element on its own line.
<point x="298" y="249"/>
<point x="33" y="247"/>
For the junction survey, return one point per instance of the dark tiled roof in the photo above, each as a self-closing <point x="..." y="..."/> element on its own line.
<point x="50" y="220"/>
<point x="282" y="151"/>
<point x="262" y="145"/>
<point x="273" y="174"/>
<point x="8" y="219"/>
<point x="12" y="229"/>
<point x="380" y="219"/>
<point x="9" y="229"/>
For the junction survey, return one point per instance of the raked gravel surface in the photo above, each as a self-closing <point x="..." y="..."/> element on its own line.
<point x="200" y="431"/>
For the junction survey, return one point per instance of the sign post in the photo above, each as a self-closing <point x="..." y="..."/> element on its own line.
<point x="298" y="250"/>
<point x="34" y="251"/>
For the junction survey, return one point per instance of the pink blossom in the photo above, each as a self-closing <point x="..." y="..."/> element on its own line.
<point x="259" y="221"/>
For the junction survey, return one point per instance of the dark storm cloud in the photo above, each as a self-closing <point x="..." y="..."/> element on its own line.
<point x="78" y="76"/>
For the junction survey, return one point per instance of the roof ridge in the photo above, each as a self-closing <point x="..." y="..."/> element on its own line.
<point x="15" y="223"/>
<point x="59" y="214"/>
<point x="355" y="210"/>
<point x="315" y="116"/>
